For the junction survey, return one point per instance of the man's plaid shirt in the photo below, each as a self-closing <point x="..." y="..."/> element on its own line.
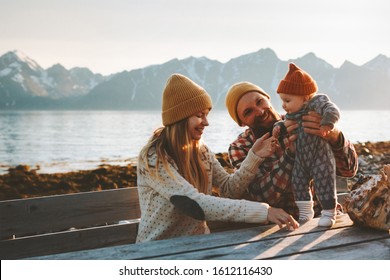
<point x="272" y="184"/>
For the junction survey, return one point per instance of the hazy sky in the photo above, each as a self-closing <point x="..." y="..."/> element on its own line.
<point x="110" y="36"/>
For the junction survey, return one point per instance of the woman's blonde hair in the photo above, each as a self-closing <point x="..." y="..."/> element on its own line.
<point x="174" y="141"/>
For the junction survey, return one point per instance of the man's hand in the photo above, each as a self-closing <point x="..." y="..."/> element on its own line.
<point x="311" y="125"/>
<point x="325" y="130"/>
<point x="290" y="126"/>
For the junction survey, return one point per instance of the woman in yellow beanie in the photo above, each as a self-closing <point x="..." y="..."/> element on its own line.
<point x="176" y="172"/>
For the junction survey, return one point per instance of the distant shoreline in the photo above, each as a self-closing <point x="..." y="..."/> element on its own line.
<point x="24" y="181"/>
<point x="62" y="142"/>
<point x="66" y="167"/>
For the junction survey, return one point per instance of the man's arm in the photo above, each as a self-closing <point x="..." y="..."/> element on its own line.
<point x="345" y="156"/>
<point x="239" y="149"/>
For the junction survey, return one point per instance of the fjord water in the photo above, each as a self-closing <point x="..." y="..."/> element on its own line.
<point x="71" y="140"/>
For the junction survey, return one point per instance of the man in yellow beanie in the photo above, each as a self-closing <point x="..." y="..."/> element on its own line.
<point x="249" y="105"/>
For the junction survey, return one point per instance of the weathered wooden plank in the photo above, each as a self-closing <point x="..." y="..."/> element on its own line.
<point x="61" y="212"/>
<point x="177" y="246"/>
<point x="69" y="241"/>
<point x="168" y="246"/>
<point x="372" y="250"/>
<point x="290" y="245"/>
<point x="58" y="213"/>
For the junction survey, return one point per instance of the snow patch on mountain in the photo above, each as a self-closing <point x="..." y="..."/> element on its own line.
<point x="5" y="72"/>
<point x="21" y="77"/>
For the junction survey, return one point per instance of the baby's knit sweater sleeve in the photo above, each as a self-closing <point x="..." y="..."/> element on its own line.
<point x="326" y="108"/>
<point x="214" y="208"/>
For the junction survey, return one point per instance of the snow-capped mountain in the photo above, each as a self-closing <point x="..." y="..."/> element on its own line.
<point x="350" y="86"/>
<point x="24" y="84"/>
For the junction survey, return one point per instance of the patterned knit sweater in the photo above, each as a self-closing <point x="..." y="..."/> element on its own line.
<point x="172" y="207"/>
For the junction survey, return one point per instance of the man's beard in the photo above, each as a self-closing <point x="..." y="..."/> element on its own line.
<point x="261" y="126"/>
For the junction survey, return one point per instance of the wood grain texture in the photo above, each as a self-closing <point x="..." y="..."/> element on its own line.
<point x="32" y="216"/>
<point x="342" y="241"/>
<point x="104" y="224"/>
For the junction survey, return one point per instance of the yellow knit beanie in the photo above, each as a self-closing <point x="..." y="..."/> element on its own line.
<point x="234" y="95"/>
<point x="297" y="82"/>
<point x="182" y="98"/>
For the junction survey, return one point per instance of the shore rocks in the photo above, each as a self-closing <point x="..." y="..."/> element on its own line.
<point x="23" y="181"/>
<point x="368" y="203"/>
<point x="372" y="157"/>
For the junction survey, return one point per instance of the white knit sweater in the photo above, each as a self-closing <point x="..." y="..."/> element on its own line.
<point x="160" y="219"/>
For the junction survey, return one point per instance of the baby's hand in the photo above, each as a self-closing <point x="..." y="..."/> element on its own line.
<point x="276" y="131"/>
<point x="264" y="146"/>
<point x="325" y="130"/>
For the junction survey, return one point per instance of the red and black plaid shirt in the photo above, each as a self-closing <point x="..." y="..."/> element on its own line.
<point x="272" y="184"/>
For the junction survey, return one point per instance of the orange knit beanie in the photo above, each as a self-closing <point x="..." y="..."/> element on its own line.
<point x="182" y="98"/>
<point x="297" y="82"/>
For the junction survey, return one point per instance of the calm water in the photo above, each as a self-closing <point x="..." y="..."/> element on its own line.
<point x="71" y="140"/>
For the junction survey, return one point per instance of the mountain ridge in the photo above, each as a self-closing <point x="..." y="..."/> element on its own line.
<point x="24" y="84"/>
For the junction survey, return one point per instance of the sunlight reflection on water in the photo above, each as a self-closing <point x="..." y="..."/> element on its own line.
<point x="71" y="140"/>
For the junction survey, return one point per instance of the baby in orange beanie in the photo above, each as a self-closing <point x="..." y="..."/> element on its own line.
<point x="314" y="158"/>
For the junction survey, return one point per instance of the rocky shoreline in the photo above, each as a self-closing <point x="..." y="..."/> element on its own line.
<point x="24" y="181"/>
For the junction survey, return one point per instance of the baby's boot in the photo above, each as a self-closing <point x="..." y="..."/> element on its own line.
<point x="306" y="211"/>
<point x="328" y="218"/>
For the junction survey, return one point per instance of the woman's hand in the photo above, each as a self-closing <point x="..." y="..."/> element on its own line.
<point x="265" y="146"/>
<point x="281" y="217"/>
